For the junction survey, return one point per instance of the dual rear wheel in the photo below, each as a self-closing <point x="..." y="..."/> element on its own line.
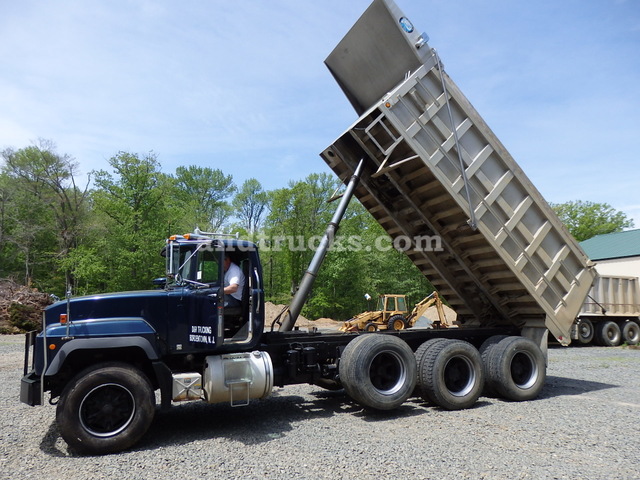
<point x="381" y="372"/>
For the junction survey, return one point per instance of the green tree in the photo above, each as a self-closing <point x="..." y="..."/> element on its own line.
<point x="202" y="195"/>
<point x="133" y="206"/>
<point x="48" y="208"/>
<point x="250" y="205"/>
<point x="296" y="214"/>
<point x="586" y="219"/>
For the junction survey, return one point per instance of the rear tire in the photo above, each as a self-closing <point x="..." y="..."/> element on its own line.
<point x="631" y="332"/>
<point x="516" y="369"/>
<point x="105" y="409"/>
<point x="608" y="334"/>
<point x="485" y="350"/>
<point x="451" y="374"/>
<point x="419" y="354"/>
<point x="378" y="371"/>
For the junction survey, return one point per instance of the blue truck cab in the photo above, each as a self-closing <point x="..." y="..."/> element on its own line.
<point x="160" y="332"/>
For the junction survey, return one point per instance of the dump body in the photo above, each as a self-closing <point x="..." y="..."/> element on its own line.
<point x="483" y="235"/>
<point x="613" y="297"/>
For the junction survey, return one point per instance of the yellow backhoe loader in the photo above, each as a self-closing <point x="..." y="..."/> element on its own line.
<point x="392" y="314"/>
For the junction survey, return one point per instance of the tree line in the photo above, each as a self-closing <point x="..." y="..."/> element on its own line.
<point x="105" y="234"/>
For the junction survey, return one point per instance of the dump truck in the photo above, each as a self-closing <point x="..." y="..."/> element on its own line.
<point x="610" y="314"/>
<point x="392" y="314"/>
<point x="426" y="166"/>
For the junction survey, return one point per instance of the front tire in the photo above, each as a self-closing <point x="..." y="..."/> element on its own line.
<point x="105" y="409"/>
<point x="378" y="371"/>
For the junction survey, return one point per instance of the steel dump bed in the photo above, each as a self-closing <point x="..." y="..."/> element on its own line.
<point x="483" y="235"/>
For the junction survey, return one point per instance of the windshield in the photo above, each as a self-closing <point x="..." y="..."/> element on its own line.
<point x="193" y="263"/>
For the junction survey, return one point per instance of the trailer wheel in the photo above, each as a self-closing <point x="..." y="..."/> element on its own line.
<point x="396" y="322"/>
<point x="608" y="334"/>
<point x="451" y="375"/>
<point x="105" y="409"/>
<point x="378" y="371"/>
<point x="516" y="369"/>
<point x="585" y="331"/>
<point x="631" y="333"/>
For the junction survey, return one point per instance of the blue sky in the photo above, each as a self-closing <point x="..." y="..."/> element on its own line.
<point x="241" y="86"/>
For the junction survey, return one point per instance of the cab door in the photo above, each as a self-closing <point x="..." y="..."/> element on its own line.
<point x="206" y="299"/>
<point x="196" y="303"/>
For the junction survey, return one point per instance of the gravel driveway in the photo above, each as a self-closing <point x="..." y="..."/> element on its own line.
<point x="584" y="426"/>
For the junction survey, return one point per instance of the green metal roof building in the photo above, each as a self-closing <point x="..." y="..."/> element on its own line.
<point x="615" y="253"/>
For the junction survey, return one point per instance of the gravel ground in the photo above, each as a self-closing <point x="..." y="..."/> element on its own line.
<point x="584" y="426"/>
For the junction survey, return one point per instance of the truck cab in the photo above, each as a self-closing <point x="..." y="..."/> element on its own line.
<point x="195" y="275"/>
<point x="166" y="330"/>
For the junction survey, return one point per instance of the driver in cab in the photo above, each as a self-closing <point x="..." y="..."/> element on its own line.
<point x="233" y="283"/>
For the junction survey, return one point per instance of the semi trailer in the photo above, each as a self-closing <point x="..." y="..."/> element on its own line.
<point x="426" y="165"/>
<point x="610" y="314"/>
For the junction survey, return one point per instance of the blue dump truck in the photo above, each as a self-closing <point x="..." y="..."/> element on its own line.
<point x="425" y="164"/>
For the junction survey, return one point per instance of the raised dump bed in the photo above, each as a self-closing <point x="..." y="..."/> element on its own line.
<point x="483" y="235"/>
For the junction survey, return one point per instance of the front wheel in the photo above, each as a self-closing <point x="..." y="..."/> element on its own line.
<point x="105" y="409"/>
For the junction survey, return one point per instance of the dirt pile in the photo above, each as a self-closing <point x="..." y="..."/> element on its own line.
<point x="271" y="311"/>
<point x="20" y="307"/>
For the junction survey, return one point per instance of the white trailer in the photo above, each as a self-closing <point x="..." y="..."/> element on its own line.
<point x="610" y="314"/>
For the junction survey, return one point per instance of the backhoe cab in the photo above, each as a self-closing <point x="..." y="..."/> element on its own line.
<point x="390" y="314"/>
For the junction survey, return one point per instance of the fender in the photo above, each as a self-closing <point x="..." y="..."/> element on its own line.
<point x="120" y="333"/>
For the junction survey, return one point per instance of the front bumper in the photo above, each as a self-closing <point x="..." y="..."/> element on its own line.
<point x="30" y="390"/>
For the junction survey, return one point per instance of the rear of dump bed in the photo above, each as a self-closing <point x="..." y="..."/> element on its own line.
<point x="505" y="257"/>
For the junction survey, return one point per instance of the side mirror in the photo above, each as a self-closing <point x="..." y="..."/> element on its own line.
<point x="160" y="282"/>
